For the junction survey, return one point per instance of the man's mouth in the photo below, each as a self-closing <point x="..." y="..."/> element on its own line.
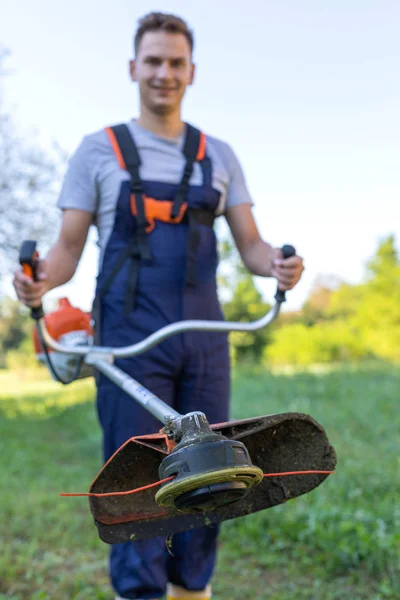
<point x="163" y="89"/>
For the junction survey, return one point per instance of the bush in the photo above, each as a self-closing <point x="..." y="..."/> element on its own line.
<point x="327" y="342"/>
<point x="23" y="358"/>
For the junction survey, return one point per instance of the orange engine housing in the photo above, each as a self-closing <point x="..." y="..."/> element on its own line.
<point x="68" y="325"/>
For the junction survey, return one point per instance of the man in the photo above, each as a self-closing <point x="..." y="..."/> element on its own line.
<point x="153" y="187"/>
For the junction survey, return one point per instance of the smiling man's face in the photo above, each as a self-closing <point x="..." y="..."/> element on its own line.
<point x="163" y="69"/>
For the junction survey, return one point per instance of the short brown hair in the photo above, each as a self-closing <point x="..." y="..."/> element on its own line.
<point x="157" y="21"/>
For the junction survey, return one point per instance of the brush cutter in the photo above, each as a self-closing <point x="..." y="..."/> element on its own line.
<point x="204" y="473"/>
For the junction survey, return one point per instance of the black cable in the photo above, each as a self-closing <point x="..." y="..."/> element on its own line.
<point x="51" y="366"/>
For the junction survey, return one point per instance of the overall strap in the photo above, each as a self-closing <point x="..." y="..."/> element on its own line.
<point x="128" y="158"/>
<point x="138" y="247"/>
<point x="193" y="150"/>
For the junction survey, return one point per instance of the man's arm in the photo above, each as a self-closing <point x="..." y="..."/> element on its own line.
<point x="61" y="261"/>
<point x="259" y="257"/>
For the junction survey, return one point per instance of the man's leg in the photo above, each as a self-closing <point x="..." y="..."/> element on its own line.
<point x="138" y="570"/>
<point x="205" y="386"/>
<point x="191" y="567"/>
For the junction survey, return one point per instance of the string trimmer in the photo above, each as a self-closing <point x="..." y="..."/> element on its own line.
<point x="204" y="473"/>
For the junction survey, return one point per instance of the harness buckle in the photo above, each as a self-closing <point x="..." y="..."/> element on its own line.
<point x="158" y="210"/>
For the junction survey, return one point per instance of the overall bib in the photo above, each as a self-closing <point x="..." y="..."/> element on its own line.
<point x="159" y="267"/>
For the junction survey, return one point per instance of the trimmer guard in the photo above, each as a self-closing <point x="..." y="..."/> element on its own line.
<point x="276" y="443"/>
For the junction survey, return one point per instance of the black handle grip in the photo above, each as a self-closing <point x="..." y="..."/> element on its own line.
<point x="28" y="259"/>
<point x="37" y="312"/>
<point x="287" y="251"/>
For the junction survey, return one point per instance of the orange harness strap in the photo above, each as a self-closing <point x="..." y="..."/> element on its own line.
<point x="160" y="210"/>
<point x="148" y="210"/>
<point x="116" y="148"/>
<point x="201" y="152"/>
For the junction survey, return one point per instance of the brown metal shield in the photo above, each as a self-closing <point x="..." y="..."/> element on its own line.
<point x="276" y="443"/>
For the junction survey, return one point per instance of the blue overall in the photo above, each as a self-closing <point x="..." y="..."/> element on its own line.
<point x="188" y="371"/>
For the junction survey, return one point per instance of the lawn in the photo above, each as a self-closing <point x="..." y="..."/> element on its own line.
<point x="342" y="541"/>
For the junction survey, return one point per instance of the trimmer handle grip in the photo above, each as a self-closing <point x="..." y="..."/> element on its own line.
<point x="287" y="251"/>
<point x="29" y="259"/>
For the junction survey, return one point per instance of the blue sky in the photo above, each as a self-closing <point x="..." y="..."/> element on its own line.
<point x="306" y="91"/>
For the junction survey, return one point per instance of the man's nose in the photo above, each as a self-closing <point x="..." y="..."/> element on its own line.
<point x="164" y="71"/>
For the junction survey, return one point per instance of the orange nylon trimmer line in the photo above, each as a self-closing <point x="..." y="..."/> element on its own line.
<point x="156" y="483"/>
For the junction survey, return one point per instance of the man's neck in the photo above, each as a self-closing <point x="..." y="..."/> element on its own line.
<point x="169" y="126"/>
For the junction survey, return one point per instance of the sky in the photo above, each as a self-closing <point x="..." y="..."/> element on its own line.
<point x="307" y="92"/>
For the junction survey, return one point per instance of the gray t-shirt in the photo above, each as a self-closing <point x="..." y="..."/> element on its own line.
<point x="93" y="180"/>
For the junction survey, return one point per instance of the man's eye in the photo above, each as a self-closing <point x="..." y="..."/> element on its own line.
<point x="153" y="61"/>
<point x="176" y="64"/>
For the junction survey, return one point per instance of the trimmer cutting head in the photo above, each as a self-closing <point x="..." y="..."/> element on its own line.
<point x="210" y="471"/>
<point x="207" y="483"/>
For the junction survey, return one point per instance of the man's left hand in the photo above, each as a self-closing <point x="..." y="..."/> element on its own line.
<point x="286" y="270"/>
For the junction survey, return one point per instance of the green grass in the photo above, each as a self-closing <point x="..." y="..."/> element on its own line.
<point x="339" y="542"/>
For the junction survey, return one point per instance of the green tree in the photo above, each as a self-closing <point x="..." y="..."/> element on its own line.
<point x="242" y="302"/>
<point x="377" y="316"/>
<point x="316" y="307"/>
<point x="385" y="263"/>
<point x="15" y="327"/>
<point x="247" y="305"/>
<point x="350" y="323"/>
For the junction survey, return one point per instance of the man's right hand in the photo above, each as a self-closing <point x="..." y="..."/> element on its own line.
<point x="61" y="261"/>
<point x="28" y="291"/>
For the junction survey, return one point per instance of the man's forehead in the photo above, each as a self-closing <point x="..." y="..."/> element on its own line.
<point x="165" y="44"/>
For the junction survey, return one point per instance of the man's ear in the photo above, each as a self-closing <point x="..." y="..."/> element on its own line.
<point x="192" y="74"/>
<point x="132" y="69"/>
